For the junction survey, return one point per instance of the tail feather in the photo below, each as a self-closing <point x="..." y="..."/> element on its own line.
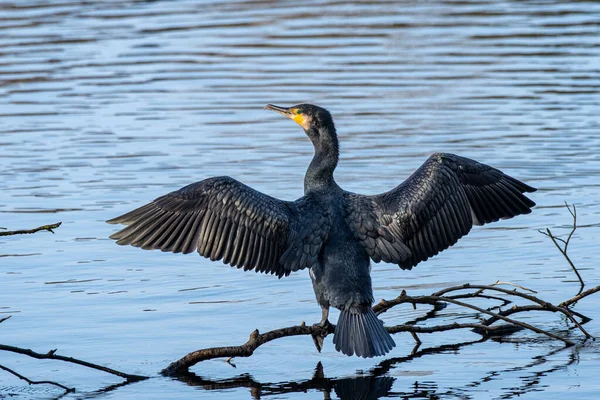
<point x="362" y="334"/>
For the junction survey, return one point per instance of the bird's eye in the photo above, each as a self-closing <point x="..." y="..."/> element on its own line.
<point x="298" y="112"/>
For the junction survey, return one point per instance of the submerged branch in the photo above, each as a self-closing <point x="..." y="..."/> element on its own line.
<point x="10" y="371"/>
<point x="51" y="355"/>
<point x="48" y="228"/>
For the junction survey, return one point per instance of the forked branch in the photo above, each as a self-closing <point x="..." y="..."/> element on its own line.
<point x="563" y="250"/>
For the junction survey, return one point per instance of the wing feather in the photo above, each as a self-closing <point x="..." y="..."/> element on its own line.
<point x="229" y="244"/>
<point x="240" y="248"/>
<point x="168" y="236"/>
<point x="193" y="234"/>
<point x="184" y="231"/>
<point x="433" y="208"/>
<point x="223" y="219"/>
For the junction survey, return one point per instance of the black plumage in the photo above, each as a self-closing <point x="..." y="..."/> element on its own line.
<point x="332" y="232"/>
<point x="223" y="218"/>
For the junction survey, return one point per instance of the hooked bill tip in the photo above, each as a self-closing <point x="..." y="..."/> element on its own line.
<point x="280" y="110"/>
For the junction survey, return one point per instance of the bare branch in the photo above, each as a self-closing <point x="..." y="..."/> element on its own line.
<point x="414" y="335"/>
<point x="531" y="307"/>
<point x="257" y="339"/>
<point x="543" y="305"/>
<point x="506" y="319"/>
<point x="579" y="296"/>
<point x="563" y="250"/>
<point x="512" y="284"/>
<point x="4" y="319"/>
<point x="48" y="228"/>
<point x="10" y="371"/>
<point x="245" y="350"/>
<point x="51" y="355"/>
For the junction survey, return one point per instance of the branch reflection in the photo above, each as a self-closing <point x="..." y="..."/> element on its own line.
<point x="378" y="384"/>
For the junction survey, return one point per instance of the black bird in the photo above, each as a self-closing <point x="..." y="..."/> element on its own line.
<point x="330" y="231"/>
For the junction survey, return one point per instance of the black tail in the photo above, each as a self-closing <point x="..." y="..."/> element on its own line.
<point x="362" y="334"/>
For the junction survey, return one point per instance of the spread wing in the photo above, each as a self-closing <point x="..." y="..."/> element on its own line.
<point x="224" y="219"/>
<point x="433" y="208"/>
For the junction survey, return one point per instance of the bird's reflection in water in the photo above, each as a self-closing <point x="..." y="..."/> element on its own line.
<point x="363" y="387"/>
<point x="351" y="388"/>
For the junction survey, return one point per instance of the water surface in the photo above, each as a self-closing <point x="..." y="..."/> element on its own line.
<point x="107" y="105"/>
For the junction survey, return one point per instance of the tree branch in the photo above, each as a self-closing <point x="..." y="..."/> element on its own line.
<point x="563" y="250"/>
<point x="51" y="355"/>
<point x="48" y="228"/>
<point x="257" y="339"/>
<point x="495" y="315"/>
<point x="436" y="299"/>
<point x="543" y="305"/>
<point x="579" y="296"/>
<point x="10" y="371"/>
<point x="247" y="349"/>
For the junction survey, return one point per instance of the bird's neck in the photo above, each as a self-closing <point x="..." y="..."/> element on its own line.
<point x="319" y="174"/>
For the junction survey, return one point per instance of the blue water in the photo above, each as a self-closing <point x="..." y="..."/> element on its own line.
<point x="106" y="105"/>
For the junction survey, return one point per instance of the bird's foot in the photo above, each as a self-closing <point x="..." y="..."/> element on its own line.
<point x="323" y="324"/>
<point x="318" y="338"/>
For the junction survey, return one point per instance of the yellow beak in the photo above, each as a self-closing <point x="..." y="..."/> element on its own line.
<point x="288" y="112"/>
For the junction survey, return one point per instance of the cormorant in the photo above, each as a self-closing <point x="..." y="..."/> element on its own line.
<point x="330" y="231"/>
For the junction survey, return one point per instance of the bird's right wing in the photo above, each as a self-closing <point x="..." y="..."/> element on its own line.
<point x="222" y="218"/>
<point x="433" y="208"/>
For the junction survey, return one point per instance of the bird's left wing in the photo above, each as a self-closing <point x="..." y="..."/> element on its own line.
<point x="433" y="208"/>
<point x="224" y="219"/>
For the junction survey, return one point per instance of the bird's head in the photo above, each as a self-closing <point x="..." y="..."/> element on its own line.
<point x="318" y="126"/>
<point x="316" y="121"/>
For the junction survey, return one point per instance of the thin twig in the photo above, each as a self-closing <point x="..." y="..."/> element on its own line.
<point x="4" y="319"/>
<point x="543" y="305"/>
<point x="10" y="371"/>
<point x="563" y="250"/>
<point x="514" y="285"/>
<point x="51" y="355"/>
<point x="519" y="309"/>
<point x="48" y="228"/>
<point x="506" y="319"/>
<point x="579" y="296"/>
<point x="414" y="335"/>
<point x="437" y="297"/>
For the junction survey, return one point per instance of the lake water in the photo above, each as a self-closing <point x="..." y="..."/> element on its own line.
<point x="105" y="105"/>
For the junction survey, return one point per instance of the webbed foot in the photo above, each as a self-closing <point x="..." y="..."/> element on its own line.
<point x="324" y="327"/>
